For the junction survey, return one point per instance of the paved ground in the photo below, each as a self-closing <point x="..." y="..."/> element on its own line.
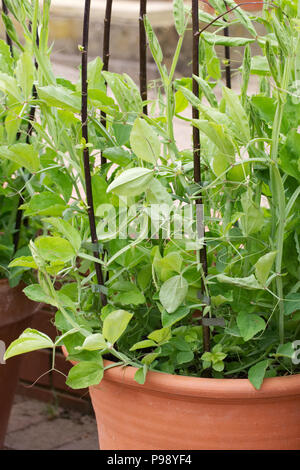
<point x="34" y="425"/>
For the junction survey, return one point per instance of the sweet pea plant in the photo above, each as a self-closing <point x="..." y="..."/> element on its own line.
<point x="154" y="293"/>
<point x="19" y="155"/>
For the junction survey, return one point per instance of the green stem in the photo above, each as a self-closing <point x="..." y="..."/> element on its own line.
<point x="278" y="202"/>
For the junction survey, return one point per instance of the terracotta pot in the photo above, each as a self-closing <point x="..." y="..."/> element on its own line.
<point x="172" y="412"/>
<point x="16" y="312"/>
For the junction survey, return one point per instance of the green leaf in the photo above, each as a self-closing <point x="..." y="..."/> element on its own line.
<point x="35" y="292"/>
<point x="184" y="356"/>
<point x="144" y="277"/>
<point x="149" y="358"/>
<point x="46" y="203"/>
<point x="59" y="97"/>
<point x="207" y="91"/>
<point x="117" y="155"/>
<point x="179" y="16"/>
<point x="263" y="267"/>
<point x="122" y="132"/>
<point x="266" y="108"/>
<point x="10" y="29"/>
<point x="246" y="70"/>
<point x="181" y="103"/>
<point x="253" y="219"/>
<point x="131" y="182"/>
<point x="140" y="375"/>
<point x="147" y="343"/>
<point x="6" y="60"/>
<point x="9" y="86"/>
<point x="189" y="95"/>
<point x="12" y="123"/>
<point x="125" y="92"/>
<point x="29" y="340"/>
<point x="250" y="324"/>
<point x="290" y="154"/>
<point x="282" y="35"/>
<point x="218" y="366"/>
<point x="115" y="324"/>
<point x="259" y="65"/>
<point x="99" y="187"/>
<point x="23" y="154"/>
<point x="94" y="342"/>
<point x="25" y="73"/>
<point x="24" y="262"/>
<point x="292" y="303"/>
<point x="285" y="350"/>
<point x="169" y="319"/>
<point x="144" y="141"/>
<point x="54" y="249"/>
<point x="237" y="113"/>
<point x="257" y="373"/>
<point x="217" y="134"/>
<point x="249" y="282"/>
<point x="130" y="295"/>
<point x="153" y="42"/>
<point x="85" y="374"/>
<point x="171" y="262"/>
<point x="214" y="39"/>
<point x="173" y="292"/>
<point x="160" y="336"/>
<point x="158" y="194"/>
<point x="65" y="229"/>
<point x="212" y="62"/>
<point x="95" y="79"/>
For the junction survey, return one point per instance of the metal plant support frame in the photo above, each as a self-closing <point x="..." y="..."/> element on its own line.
<point x="197" y="153"/>
<point x="106" y="54"/>
<point x="143" y="91"/>
<point x="86" y="154"/>
<point x="143" y="54"/>
<point x="84" y="111"/>
<point x="227" y="57"/>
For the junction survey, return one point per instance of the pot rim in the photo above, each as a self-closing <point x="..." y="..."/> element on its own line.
<point x="156" y="381"/>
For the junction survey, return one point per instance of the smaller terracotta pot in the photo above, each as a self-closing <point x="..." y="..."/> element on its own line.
<point x="16" y="312"/>
<point x="172" y="412"/>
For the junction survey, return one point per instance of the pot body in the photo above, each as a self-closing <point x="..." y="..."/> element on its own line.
<point x="16" y="312"/>
<point x="185" y="413"/>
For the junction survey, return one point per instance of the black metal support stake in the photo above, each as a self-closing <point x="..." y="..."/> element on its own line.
<point x="8" y="39"/>
<point x="197" y="149"/>
<point x="106" y="54"/>
<point x="227" y="58"/>
<point x="86" y="156"/>
<point x="143" y="54"/>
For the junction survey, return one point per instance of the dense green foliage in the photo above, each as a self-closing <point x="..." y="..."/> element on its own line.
<point x="250" y="164"/>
